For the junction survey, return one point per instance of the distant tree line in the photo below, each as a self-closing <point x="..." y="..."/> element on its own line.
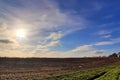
<point x="115" y="55"/>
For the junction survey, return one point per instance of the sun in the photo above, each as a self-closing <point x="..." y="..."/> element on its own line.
<point x="21" y="33"/>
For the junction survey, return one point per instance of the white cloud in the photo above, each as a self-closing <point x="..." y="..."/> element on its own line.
<point x="94" y="53"/>
<point x="103" y="32"/>
<point x="82" y="51"/>
<point x="104" y="43"/>
<point x="107" y="24"/>
<point x="53" y="43"/>
<point x="2" y="26"/>
<point x="86" y="51"/>
<point x="55" y="36"/>
<point x="82" y="48"/>
<point x="110" y="42"/>
<point x="106" y="36"/>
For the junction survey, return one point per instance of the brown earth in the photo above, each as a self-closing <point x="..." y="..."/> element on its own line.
<point x="30" y="68"/>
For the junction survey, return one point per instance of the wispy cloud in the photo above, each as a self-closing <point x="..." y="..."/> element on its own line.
<point x="110" y="42"/>
<point x="94" y="53"/>
<point x="44" y="22"/>
<point x="5" y="41"/>
<point x="106" y="36"/>
<point x="107" y="24"/>
<point x="55" y="36"/>
<point x="86" y="51"/>
<point x="53" y="43"/>
<point x="105" y="43"/>
<point x="82" y="48"/>
<point x="103" y="32"/>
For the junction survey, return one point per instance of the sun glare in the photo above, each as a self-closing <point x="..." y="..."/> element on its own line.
<point x="20" y="33"/>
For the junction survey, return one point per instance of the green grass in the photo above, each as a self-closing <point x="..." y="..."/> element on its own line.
<point x="111" y="75"/>
<point x="105" y="73"/>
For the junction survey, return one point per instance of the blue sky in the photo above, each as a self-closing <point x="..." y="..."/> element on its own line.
<point x="59" y="28"/>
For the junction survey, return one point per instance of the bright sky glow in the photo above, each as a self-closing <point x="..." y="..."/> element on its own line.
<point x="20" y="33"/>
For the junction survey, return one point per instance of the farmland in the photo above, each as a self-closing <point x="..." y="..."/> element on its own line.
<point x="104" y="73"/>
<point x="97" y="68"/>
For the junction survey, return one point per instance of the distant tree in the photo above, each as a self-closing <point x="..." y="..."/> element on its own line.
<point x="119" y="54"/>
<point x="114" y="55"/>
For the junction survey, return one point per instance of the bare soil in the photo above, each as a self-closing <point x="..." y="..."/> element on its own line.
<point x="30" y="68"/>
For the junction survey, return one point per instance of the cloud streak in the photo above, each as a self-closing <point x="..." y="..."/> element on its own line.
<point x="5" y="41"/>
<point x="111" y="42"/>
<point x="82" y="48"/>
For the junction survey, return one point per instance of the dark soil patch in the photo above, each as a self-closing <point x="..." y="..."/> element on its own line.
<point x="96" y="76"/>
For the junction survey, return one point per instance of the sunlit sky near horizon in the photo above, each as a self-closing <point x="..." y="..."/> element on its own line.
<point x="59" y="28"/>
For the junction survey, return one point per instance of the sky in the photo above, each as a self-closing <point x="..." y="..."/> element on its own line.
<point x="59" y="28"/>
